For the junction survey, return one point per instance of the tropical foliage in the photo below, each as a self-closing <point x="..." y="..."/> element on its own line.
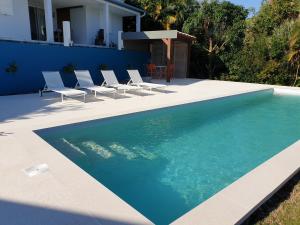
<point x="267" y="44"/>
<point x="219" y="28"/>
<point x="165" y="14"/>
<point x="231" y="45"/>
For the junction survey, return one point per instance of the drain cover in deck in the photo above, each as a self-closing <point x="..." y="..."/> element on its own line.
<point x="36" y="170"/>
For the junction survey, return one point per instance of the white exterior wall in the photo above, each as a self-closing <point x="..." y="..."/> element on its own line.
<point x="16" y="26"/>
<point x="85" y="22"/>
<point x="78" y="25"/>
<point x="95" y="20"/>
<point x="116" y="22"/>
<point x="93" y="23"/>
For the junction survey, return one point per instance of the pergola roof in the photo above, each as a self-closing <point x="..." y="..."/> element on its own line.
<point x="157" y="35"/>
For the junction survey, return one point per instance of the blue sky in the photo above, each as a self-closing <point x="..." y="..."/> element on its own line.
<point x="248" y="3"/>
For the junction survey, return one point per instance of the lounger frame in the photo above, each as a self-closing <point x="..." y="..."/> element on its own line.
<point x="136" y="80"/>
<point x="84" y="81"/>
<point x="58" y="86"/>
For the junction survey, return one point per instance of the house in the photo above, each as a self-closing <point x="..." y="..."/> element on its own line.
<point x="32" y="33"/>
<point x="42" y="20"/>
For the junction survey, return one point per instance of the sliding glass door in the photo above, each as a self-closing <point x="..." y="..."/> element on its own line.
<point x="37" y="23"/>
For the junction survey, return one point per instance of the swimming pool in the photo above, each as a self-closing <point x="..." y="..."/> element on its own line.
<point x="165" y="162"/>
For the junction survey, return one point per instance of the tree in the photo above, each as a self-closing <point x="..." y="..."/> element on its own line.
<point x="294" y="51"/>
<point x="165" y="14"/>
<point x="263" y="57"/>
<point x="273" y="13"/>
<point x="219" y="28"/>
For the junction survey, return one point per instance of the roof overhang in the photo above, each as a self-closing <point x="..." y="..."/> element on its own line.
<point x="117" y="4"/>
<point x="157" y="35"/>
<point x="126" y="6"/>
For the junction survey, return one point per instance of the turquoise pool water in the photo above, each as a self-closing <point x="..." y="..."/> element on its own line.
<point x="165" y="162"/>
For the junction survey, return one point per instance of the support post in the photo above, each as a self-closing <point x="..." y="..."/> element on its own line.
<point x="67" y="33"/>
<point x="120" y="40"/>
<point x="107" y="24"/>
<point x="138" y="23"/>
<point x="49" y="20"/>
<point x="170" y="56"/>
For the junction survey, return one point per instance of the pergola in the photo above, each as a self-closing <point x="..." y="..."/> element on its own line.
<point x="168" y="38"/>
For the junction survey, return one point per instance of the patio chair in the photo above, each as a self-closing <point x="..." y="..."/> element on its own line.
<point x="136" y="80"/>
<point x="111" y="80"/>
<point x="54" y="83"/>
<point x="85" y="81"/>
<point x="151" y="70"/>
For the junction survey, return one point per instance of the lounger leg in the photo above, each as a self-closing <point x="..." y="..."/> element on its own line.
<point x="95" y="94"/>
<point x="62" y="98"/>
<point x="84" y="98"/>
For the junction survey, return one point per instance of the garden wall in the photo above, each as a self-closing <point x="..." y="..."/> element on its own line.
<point x="32" y="58"/>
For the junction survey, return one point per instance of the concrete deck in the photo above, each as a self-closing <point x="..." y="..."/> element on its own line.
<point x="67" y="195"/>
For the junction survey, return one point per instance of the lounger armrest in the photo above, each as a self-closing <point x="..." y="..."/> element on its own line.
<point x="130" y="82"/>
<point x="103" y="84"/>
<point x="77" y="85"/>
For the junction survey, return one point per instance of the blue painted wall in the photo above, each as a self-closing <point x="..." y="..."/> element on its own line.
<point x="31" y="59"/>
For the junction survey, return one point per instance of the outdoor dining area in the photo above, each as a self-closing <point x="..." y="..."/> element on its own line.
<point x="169" y="50"/>
<point x="160" y="71"/>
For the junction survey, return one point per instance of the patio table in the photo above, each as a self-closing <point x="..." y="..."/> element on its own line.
<point x="160" y="69"/>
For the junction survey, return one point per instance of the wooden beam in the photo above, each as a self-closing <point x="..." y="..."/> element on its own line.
<point x="170" y="55"/>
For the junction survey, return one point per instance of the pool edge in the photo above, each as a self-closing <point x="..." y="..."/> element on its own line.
<point x="135" y="110"/>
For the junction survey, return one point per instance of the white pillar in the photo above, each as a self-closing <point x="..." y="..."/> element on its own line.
<point x="107" y="24"/>
<point x="67" y="33"/>
<point x="120" y="40"/>
<point x="49" y="20"/>
<point x="138" y="23"/>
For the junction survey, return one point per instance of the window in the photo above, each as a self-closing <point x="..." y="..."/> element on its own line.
<point x="37" y="24"/>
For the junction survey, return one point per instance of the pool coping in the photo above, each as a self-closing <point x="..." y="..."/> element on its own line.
<point x="219" y="209"/>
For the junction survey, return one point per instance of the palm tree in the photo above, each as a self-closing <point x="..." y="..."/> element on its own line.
<point x="169" y="12"/>
<point x="166" y="13"/>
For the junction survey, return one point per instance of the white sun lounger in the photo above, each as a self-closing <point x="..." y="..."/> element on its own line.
<point x="54" y="83"/>
<point x="136" y="80"/>
<point x="111" y="80"/>
<point x="85" y="81"/>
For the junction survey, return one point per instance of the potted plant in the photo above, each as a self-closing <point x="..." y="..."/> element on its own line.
<point x="12" y="68"/>
<point x="103" y="67"/>
<point x="129" y="67"/>
<point x="69" y="68"/>
<point x="100" y="37"/>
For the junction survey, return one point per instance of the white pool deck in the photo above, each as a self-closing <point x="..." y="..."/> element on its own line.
<point x="66" y="195"/>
